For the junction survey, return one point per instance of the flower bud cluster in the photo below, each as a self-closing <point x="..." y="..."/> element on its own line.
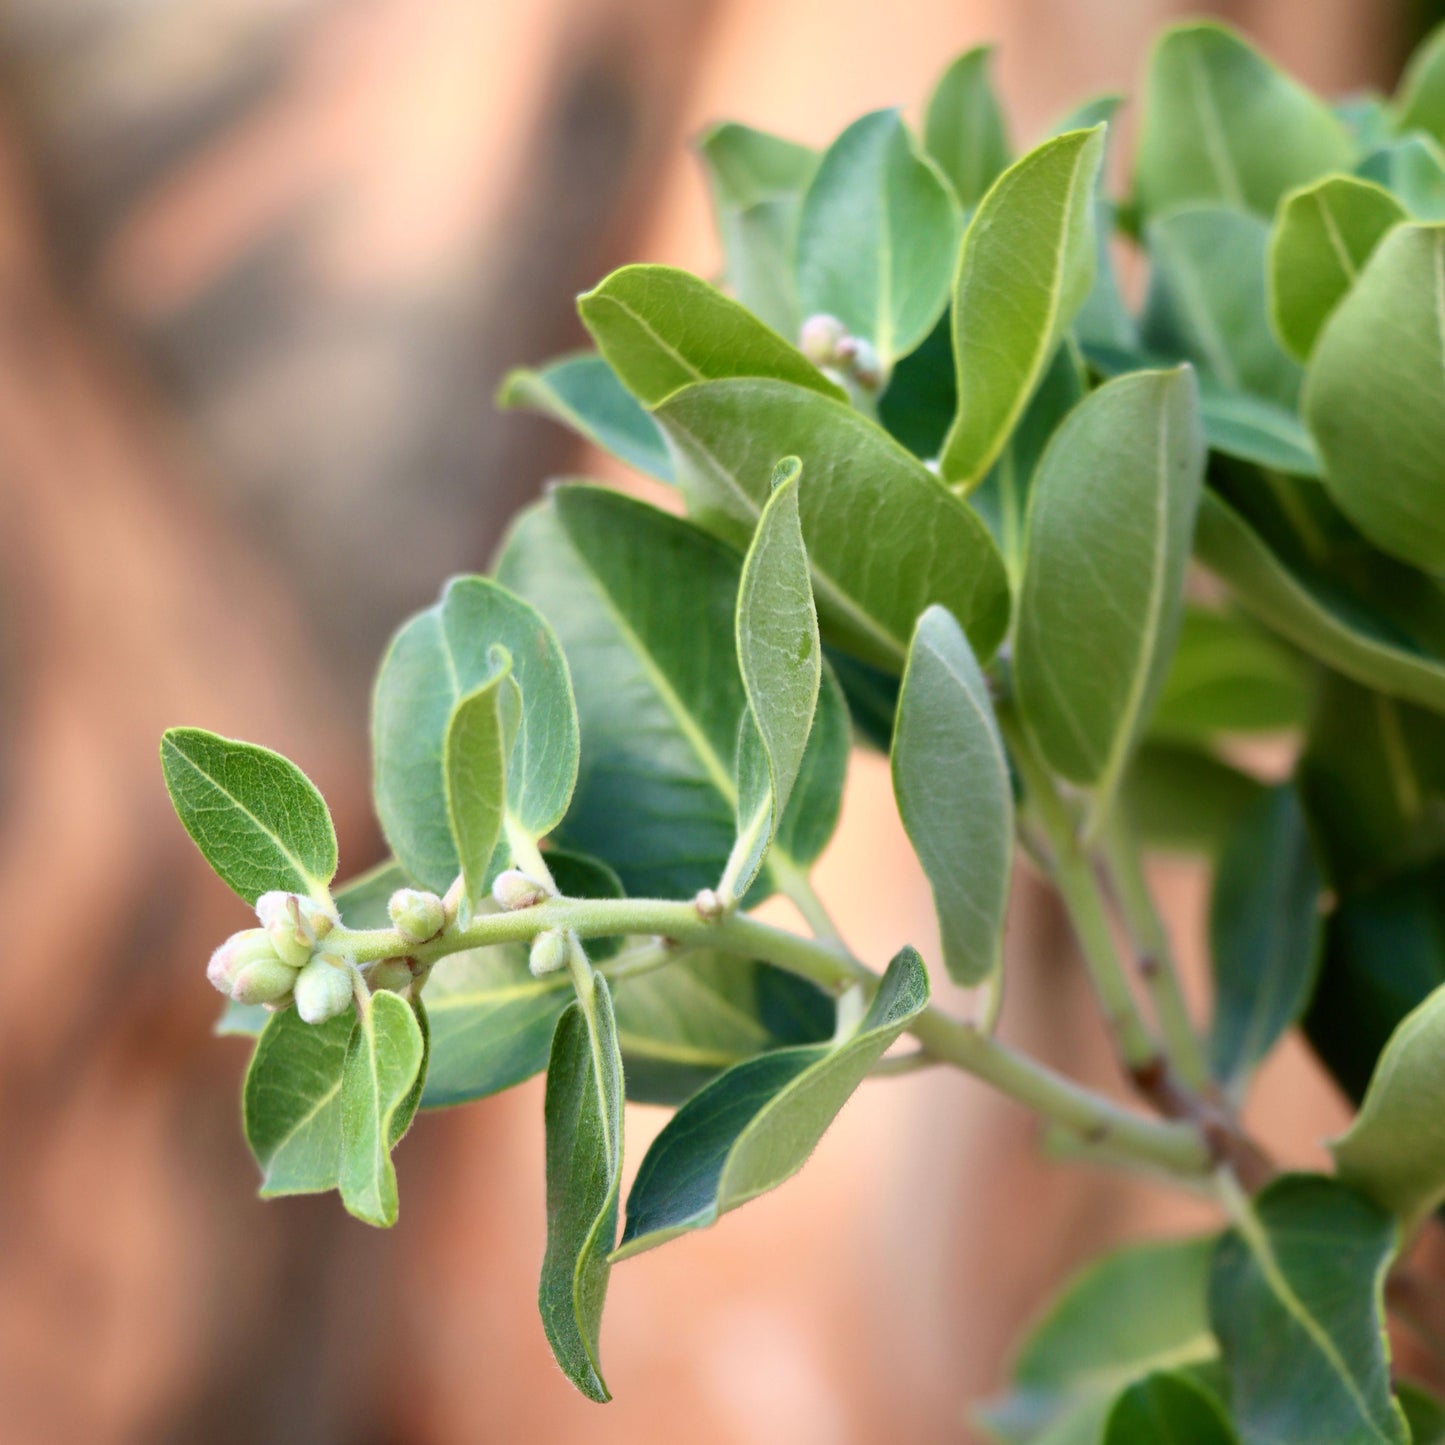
<point x="825" y="341"/>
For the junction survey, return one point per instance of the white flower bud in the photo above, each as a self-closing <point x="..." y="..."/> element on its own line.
<point x="391" y="973"/>
<point x="323" y="988"/>
<point x="286" y="918"/>
<point x="862" y="361"/>
<point x="418" y="916"/>
<point x="514" y="889"/>
<point x="820" y="338"/>
<point x="252" y="945"/>
<point x="264" y="981"/>
<point x="549" y="952"/>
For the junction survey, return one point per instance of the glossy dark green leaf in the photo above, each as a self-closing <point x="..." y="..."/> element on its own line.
<point x="1321" y="239"/>
<point x="922" y="394"/>
<point x="884" y="537"/>
<point x="1221" y="124"/>
<point x="1375" y="397"/>
<point x="955" y="796"/>
<point x="1412" y="169"/>
<point x="1182" y="799"/>
<point x="475" y="748"/>
<point x="1265" y="934"/>
<point x="1026" y="266"/>
<point x="583" y="392"/>
<point x="1296" y="1301"/>
<point x="583" y="1111"/>
<point x="1420" y="99"/>
<point x="964" y="129"/>
<point x="436" y="659"/>
<point x="876" y="237"/>
<point x="1104" y="572"/>
<point x="255" y="816"/>
<point x="1167" y="1408"/>
<point x="661" y="329"/>
<point x="756" y="1125"/>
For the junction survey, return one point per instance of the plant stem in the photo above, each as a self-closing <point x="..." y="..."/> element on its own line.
<point x="798" y="888"/>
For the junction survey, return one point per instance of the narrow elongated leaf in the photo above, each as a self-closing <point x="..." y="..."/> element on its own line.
<point x="644" y="603"/>
<point x="383" y="1059"/>
<point x="1420" y="100"/>
<point x="781" y="661"/>
<point x="1265" y="934"/>
<point x="951" y="780"/>
<point x="256" y="817"/>
<point x="1296" y="1301"/>
<point x="1375" y="397"/>
<point x="1222" y="124"/>
<point x="583" y="1111"/>
<point x="884" y="538"/>
<point x="441" y="655"/>
<point x="964" y="130"/>
<point x="583" y="392"/>
<point x="756" y="1125"/>
<point x="1139" y="1310"/>
<point x="1412" y="169"/>
<point x="661" y="329"/>
<point x="1321" y="239"/>
<point x="1109" y="529"/>
<point x="1167" y="1408"/>
<point x="474" y="766"/>
<point x="876" y="237"/>
<point x="1026" y="266"/>
<point x="1394" y="1152"/>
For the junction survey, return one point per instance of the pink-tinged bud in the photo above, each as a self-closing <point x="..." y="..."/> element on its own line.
<point x="820" y="337"/>
<point x="323" y="988"/>
<point x="393" y="974"/>
<point x="418" y="916"/>
<point x="549" y="952"/>
<point x="286" y="918"/>
<point x="263" y="982"/>
<point x="514" y="889"/>
<point x="252" y="945"/>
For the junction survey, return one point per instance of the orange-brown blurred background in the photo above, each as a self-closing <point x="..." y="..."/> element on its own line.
<point x="262" y="264"/>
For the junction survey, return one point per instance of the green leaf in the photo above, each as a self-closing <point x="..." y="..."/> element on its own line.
<point x="884" y="537"/>
<point x="1308" y="612"/>
<point x="1104" y="572"/>
<point x="1167" y="1408"/>
<point x="383" y="1058"/>
<point x="876" y="237"/>
<point x="661" y="329"/>
<point x="1265" y="933"/>
<point x="1296" y="1301"/>
<point x="1322" y="237"/>
<point x="1221" y="124"/>
<point x="951" y="780"/>
<point x="1375" y="398"/>
<point x="918" y="404"/>
<point x="1367" y="116"/>
<point x="1026" y="266"/>
<point x="781" y="661"/>
<point x="583" y="1110"/>
<point x="757" y="182"/>
<point x="756" y="1125"/>
<point x="964" y="129"/>
<point x="1394" y="1152"/>
<point x="644" y="603"/>
<point x="1182" y="799"/>
<point x="439" y="657"/>
<point x="474" y="765"/>
<point x="1413" y="170"/>
<point x="1420" y="99"/>
<point x="1425" y="1413"/>
<point x="257" y="818"/>
<point x="1133" y="1312"/>
<point x="583" y="392"/>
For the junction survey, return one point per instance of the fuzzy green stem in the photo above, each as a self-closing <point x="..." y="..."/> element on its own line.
<point x="797" y="888"/>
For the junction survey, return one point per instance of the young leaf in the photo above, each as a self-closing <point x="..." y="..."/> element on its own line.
<point x="1026" y="265"/>
<point x="1167" y="1408"/>
<point x="1265" y="933"/>
<point x="1296" y="1301"/>
<point x="1420" y="99"/>
<point x="1133" y="1312"/>
<point x="474" y="765"/>
<point x="384" y="1058"/>
<point x="951" y="780"/>
<point x="661" y="329"/>
<point x="1374" y="400"/>
<point x="884" y="538"/>
<point x="964" y="128"/>
<point x="1412" y="169"/>
<point x="1322" y="237"/>
<point x="439" y="657"/>
<point x="756" y="1125"/>
<point x="1109" y="529"/>
<point x="1223" y="125"/>
<point x="877" y="236"/>
<point x="583" y="1111"/>
<point x="1394" y="1152"/>
<point x="583" y="392"/>
<point x="781" y="661"/>
<point x="256" y="817"/>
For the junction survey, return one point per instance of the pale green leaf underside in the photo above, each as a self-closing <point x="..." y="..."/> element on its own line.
<point x="474" y="766"/>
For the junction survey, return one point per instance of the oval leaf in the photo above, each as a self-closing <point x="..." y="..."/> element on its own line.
<point x="1412" y="169"/>
<point x="1420" y="100"/>
<point x="964" y="130"/>
<point x="256" y="817"/>
<point x="951" y="780"/>
<point x="1167" y="1408"/>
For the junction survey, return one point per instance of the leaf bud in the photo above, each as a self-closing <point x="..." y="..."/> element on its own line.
<point x="862" y="361"/>
<point x="323" y="988"/>
<point x="393" y="974"/>
<point x="710" y="905"/>
<point x="252" y="945"/>
<point x="264" y="981"/>
<point x="549" y="952"/>
<point x="514" y="889"/>
<point x="286" y="918"/>
<point x="418" y="916"/>
<point x="820" y="337"/>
